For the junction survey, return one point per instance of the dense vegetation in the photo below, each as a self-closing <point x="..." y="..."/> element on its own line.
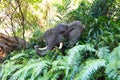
<point x="96" y="55"/>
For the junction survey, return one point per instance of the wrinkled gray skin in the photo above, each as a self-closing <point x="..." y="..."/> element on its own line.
<point x="70" y="32"/>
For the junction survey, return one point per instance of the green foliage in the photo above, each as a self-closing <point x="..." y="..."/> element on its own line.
<point x="103" y="52"/>
<point x="37" y="38"/>
<point x="101" y="7"/>
<point x="20" y="64"/>
<point x="78" y="13"/>
<point x="98" y="56"/>
<point x="113" y="70"/>
<point x="30" y="68"/>
<point x="115" y="54"/>
<point x="74" y="53"/>
<point x="72" y="66"/>
<point x="35" y="66"/>
<point x="34" y="1"/>
<point x="63" y="6"/>
<point x="91" y="66"/>
<point x="103" y="30"/>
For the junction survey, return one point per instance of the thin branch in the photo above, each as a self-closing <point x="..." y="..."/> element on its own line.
<point x="11" y="21"/>
<point x="23" y="19"/>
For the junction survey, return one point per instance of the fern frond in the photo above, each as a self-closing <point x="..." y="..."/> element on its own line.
<point x="74" y="54"/>
<point x="56" y="76"/>
<point x="115" y="54"/>
<point x="21" y="74"/>
<point x="72" y="72"/>
<point x="17" y="56"/>
<point x="91" y="67"/>
<point x="37" y="70"/>
<point x="60" y="65"/>
<point x="8" y="69"/>
<point x="113" y="70"/>
<point x="103" y="52"/>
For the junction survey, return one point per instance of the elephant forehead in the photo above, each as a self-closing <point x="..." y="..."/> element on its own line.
<point x="75" y="23"/>
<point x="48" y="33"/>
<point x="54" y="39"/>
<point x="61" y="26"/>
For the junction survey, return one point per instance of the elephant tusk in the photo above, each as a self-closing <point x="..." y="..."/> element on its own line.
<point x="61" y="45"/>
<point x="42" y="48"/>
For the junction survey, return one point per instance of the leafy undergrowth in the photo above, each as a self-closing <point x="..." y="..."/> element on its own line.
<point x="78" y="64"/>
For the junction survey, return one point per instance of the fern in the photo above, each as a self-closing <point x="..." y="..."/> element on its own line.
<point x="56" y="75"/>
<point x="91" y="67"/>
<point x="72" y="72"/>
<point x="113" y="70"/>
<point x="71" y="66"/>
<point x="10" y="66"/>
<point x="21" y="74"/>
<point x="103" y="52"/>
<point x="115" y="54"/>
<point x="17" y="56"/>
<point x="36" y="71"/>
<point x="74" y="54"/>
<point x="74" y="59"/>
<point x="8" y="69"/>
<point x="58" y="67"/>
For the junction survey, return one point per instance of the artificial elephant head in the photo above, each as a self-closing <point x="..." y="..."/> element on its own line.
<point x="75" y="30"/>
<point x="62" y="32"/>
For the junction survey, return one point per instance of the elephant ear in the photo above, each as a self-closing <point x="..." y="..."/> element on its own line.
<point x="74" y="36"/>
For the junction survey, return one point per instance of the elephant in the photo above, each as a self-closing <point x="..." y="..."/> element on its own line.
<point x="60" y="33"/>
